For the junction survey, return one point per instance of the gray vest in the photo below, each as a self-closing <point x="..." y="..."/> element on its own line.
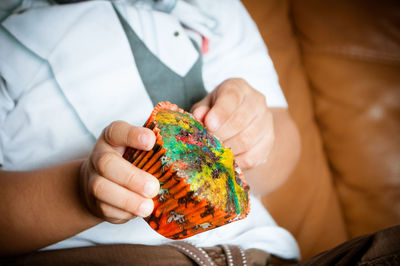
<point x="161" y="83"/>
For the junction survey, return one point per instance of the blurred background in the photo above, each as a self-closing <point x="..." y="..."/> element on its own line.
<point x="338" y="63"/>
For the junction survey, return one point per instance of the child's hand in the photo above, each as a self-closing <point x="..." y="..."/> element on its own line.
<point x="239" y="116"/>
<point x="114" y="189"/>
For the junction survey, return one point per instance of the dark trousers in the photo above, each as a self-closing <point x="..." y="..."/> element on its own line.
<point x="380" y="248"/>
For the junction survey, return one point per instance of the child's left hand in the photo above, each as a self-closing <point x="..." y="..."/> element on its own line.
<point x="238" y="115"/>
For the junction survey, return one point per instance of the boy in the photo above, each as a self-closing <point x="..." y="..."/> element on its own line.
<point x="76" y="78"/>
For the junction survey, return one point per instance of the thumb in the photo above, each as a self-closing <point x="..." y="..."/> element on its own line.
<point x="201" y="108"/>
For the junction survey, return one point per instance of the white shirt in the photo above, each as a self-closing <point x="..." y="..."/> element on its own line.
<point x="67" y="71"/>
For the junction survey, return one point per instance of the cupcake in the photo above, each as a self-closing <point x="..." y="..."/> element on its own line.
<point x="201" y="187"/>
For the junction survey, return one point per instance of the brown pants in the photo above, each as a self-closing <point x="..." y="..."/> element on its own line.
<point x="381" y="248"/>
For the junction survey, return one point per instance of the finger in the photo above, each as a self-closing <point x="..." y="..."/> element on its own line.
<point x="257" y="155"/>
<point x="120" y="133"/>
<point x="201" y="108"/>
<point x="200" y="112"/>
<point x="118" y="170"/>
<point x="246" y="139"/>
<point x="120" y="197"/>
<point x="241" y="119"/>
<point x="113" y="214"/>
<point x="227" y="98"/>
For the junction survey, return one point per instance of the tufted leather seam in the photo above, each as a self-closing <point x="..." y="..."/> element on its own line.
<point x="354" y="52"/>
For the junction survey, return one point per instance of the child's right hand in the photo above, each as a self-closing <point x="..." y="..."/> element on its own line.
<point x="114" y="189"/>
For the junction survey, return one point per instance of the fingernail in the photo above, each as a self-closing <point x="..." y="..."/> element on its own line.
<point x="146" y="208"/>
<point x="213" y="124"/>
<point x="151" y="189"/>
<point x="197" y="114"/>
<point x="143" y="139"/>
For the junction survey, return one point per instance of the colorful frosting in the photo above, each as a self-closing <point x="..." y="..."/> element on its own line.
<point x="200" y="158"/>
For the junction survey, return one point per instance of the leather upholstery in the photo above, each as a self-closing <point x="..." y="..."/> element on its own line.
<point x="351" y="52"/>
<point x="306" y="204"/>
<point x="339" y="66"/>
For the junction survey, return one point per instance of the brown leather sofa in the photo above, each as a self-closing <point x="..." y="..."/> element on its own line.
<point x="338" y="63"/>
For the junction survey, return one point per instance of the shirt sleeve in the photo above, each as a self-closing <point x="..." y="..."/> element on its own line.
<point x="6" y="104"/>
<point x="238" y="51"/>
